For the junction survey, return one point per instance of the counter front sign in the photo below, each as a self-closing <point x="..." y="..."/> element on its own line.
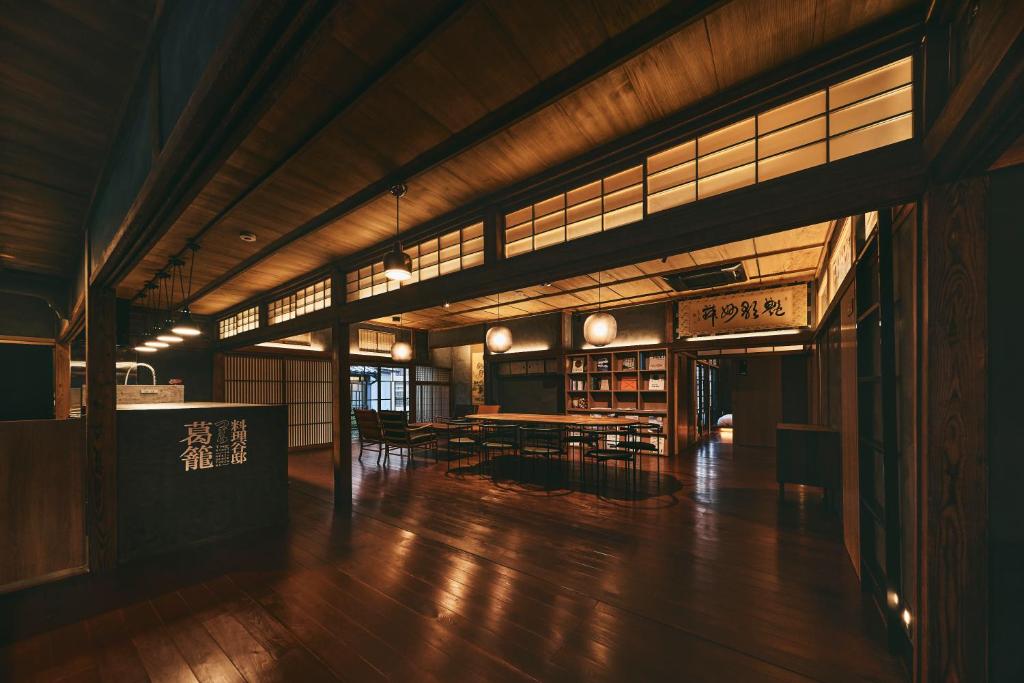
<point x="214" y="444"/>
<point x="777" y="308"/>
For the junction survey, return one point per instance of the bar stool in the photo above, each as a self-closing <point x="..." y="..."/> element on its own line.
<point x="648" y="441"/>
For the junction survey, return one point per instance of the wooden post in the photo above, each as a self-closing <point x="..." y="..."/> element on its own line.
<point x="61" y="381"/>
<point x="341" y="408"/>
<point x="217" y="391"/>
<point x="953" y="606"/>
<point x="101" y="426"/>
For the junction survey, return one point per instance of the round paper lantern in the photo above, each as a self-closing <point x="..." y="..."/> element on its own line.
<point x="401" y="351"/>
<point x="499" y="339"/>
<point x="599" y="329"/>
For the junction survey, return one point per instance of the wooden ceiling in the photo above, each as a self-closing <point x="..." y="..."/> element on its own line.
<point x="65" y="70"/>
<point x="790" y="256"/>
<point x="391" y="82"/>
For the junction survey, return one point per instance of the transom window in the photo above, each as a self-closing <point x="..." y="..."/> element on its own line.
<point x="243" y="321"/>
<point x="447" y="253"/>
<point x="859" y="114"/>
<point x="306" y="300"/>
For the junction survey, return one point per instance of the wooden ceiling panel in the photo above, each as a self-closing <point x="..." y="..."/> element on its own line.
<point x="750" y="36"/>
<point x="65" y="70"/>
<point x="792" y="239"/>
<point x="788" y="262"/>
<point x="837" y="17"/>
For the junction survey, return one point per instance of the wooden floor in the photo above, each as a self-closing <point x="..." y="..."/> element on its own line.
<point x="453" y="577"/>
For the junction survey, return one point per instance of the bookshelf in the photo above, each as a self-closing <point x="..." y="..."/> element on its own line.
<point x="629" y="382"/>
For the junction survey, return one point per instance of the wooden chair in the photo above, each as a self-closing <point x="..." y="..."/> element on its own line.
<point x="398" y="434"/>
<point x="547" y="443"/>
<point x="498" y="438"/>
<point x="623" y="449"/>
<point x="463" y="441"/>
<point x="370" y="433"/>
<point x="488" y="409"/>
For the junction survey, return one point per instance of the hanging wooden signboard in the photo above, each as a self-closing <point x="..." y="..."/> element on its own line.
<point x="776" y="308"/>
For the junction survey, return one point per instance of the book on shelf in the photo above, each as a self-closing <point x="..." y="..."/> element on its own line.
<point x="601" y="384"/>
<point x="602" y="364"/>
<point x="656" y="384"/>
<point x="577" y="385"/>
<point x="627" y="384"/>
<point x="656" y="363"/>
<point x="577" y="365"/>
<point x="579" y="402"/>
<point x="629" y="363"/>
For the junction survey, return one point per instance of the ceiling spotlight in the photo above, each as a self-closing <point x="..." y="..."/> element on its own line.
<point x="247" y="236"/>
<point x="447" y="304"/>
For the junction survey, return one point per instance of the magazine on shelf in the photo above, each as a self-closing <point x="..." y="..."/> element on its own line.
<point x="577" y="365"/>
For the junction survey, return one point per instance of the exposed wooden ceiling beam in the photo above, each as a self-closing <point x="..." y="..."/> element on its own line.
<point x="269" y="43"/>
<point x="614" y="52"/>
<point x="405" y="52"/>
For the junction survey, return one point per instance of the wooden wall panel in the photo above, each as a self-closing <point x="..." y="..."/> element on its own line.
<point x="848" y="426"/>
<point x="61" y="381"/>
<point x="757" y="402"/>
<point x="42" y="501"/>
<point x="952" y="620"/>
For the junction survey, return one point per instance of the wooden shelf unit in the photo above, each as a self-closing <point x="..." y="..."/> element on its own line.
<point x="620" y="381"/>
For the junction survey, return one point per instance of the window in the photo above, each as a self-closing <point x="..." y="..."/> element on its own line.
<point x="600" y="205"/>
<point x="448" y="253"/>
<point x="860" y="114"/>
<point x="433" y="393"/>
<point x="373" y="341"/>
<point x="243" y="321"/>
<point x="306" y="300"/>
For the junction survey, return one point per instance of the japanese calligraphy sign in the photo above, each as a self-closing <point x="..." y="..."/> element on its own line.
<point x="776" y="308"/>
<point x="214" y="444"/>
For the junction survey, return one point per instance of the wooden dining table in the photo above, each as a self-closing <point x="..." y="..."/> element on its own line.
<point x="540" y="418"/>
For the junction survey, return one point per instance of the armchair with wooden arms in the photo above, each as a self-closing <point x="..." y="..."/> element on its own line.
<point x="398" y="433"/>
<point x="371" y="435"/>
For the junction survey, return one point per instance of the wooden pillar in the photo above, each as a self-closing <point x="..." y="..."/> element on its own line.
<point x="952" y="621"/>
<point x="101" y="425"/>
<point x="218" y="377"/>
<point x="341" y="408"/>
<point x="61" y="381"/>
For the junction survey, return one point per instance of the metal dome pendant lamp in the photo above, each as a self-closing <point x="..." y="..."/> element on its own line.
<point x="601" y="328"/>
<point x="499" y="337"/>
<point x="401" y="351"/>
<point x="397" y="264"/>
<point x="154" y="329"/>
<point x="186" y="327"/>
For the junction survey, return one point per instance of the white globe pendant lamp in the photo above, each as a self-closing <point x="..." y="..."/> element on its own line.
<point x="499" y="337"/>
<point x="401" y="351"/>
<point x="601" y="328"/>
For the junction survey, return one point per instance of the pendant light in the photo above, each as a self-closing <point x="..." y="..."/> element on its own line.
<point x="397" y="264"/>
<point x="143" y="296"/>
<point x="600" y="329"/>
<point x="186" y="327"/>
<point x="166" y="335"/>
<point x="499" y="337"/>
<point x="401" y="351"/>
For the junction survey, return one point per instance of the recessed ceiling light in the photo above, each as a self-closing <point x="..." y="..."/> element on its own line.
<point x="247" y="236"/>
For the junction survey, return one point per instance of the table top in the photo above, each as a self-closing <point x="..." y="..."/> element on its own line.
<point x="537" y="418"/>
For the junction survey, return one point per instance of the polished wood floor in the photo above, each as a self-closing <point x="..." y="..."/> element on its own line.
<point x="440" y="576"/>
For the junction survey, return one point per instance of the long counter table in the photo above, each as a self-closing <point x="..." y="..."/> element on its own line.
<point x="540" y="418"/>
<point x="190" y="473"/>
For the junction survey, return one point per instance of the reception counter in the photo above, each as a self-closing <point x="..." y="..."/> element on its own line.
<point x="191" y="473"/>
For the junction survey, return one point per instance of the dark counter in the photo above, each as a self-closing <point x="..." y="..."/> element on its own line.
<point x="190" y="473"/>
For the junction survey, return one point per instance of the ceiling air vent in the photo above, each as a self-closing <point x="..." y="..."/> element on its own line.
<point x="728" y="274"/>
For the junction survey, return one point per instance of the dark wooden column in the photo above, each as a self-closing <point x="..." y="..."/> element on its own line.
<point x="341" y="406"/>
<point x="952" y="619"/>
<point x="61" y="381"/>
<point x="218" y="376"/>
<point x="101" y="426"/>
